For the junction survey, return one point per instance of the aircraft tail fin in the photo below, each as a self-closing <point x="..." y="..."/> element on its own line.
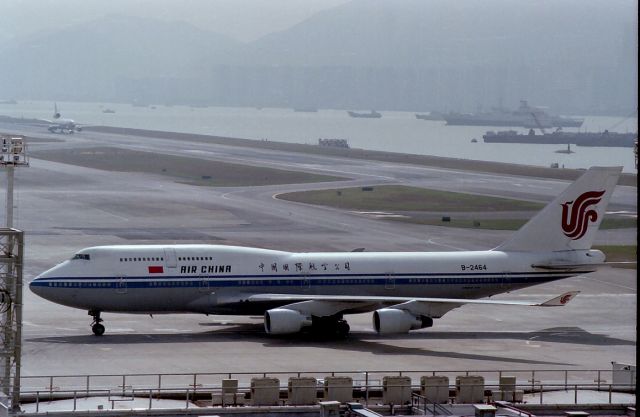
<point x="571" y="220"/>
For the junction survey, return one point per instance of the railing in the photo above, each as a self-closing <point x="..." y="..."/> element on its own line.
<point x="197" y="387"/>
<point x="188" y="397"/>
<point x="565" y="379"/>
<point x="420" y="403"/>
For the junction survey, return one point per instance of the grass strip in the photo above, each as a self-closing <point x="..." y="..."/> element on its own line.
<point x="620" y="253"/>
<point x="183" y="169"/>
<point x="505" y="224"/>
<point x="405" y="198"/>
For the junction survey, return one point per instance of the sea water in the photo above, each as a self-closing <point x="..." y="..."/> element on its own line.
<point x="393" y="132"/>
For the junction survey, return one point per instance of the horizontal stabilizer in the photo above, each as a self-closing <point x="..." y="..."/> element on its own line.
<point x="563" y="266"/>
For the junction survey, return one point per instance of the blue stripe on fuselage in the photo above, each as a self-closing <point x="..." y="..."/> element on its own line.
<point x="288" y="280"/>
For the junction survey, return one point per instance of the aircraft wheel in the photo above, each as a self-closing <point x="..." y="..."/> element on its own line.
<point x="98" y="329"/>
<point x="342" y="328"/>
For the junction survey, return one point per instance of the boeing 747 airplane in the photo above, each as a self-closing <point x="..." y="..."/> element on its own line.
<point x="296" y="291"/>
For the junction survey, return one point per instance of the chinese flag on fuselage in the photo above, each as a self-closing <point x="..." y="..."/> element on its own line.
<point x="156" y="269"/>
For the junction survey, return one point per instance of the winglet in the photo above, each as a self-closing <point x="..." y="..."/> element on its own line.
<point x="560" y="300"/>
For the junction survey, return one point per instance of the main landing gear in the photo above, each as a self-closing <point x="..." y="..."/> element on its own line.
<point x="330" y="327"/>
<point x="96" y="327"/>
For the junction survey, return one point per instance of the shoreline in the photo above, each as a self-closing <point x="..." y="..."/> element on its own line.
<point x="357" y="153"/>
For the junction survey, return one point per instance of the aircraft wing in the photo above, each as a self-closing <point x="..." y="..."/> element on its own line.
<point x="434" y="307"/>
<point x="388" y="300"/>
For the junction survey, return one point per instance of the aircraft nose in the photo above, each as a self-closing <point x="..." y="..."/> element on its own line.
<point x="40" y="283"/>
<point x="36" y="285"/>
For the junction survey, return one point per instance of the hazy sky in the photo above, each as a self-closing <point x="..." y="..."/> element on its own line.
<point x="243" y="20"/>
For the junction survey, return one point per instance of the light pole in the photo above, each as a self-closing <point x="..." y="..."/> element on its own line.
<point x="13" y="153"/>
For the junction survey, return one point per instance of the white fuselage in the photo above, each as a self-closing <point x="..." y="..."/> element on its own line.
<point x="220" y="279"/>
<point x="63" y="126"/>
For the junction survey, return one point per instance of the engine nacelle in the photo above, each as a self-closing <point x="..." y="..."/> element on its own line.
<point x="284" y="321"/>
<point x="394" y="320"/>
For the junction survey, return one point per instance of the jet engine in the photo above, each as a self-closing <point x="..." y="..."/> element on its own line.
<point x="395" y="320"/>
<point x="284" y="321"/>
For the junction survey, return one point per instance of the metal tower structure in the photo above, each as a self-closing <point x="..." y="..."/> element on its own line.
<point x="13" y="153"/>
<point x="11" y="256"/>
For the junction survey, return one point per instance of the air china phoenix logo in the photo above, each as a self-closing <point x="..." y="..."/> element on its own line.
<point x="576" y="214"/>
<point x="565" y="299"/>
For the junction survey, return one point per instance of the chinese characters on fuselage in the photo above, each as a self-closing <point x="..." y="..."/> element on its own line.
<point x="300" y="267"/>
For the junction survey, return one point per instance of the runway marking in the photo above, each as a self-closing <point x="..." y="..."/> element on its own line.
<point x="433" y="242"/>
<point x="225" y="196"/>
<point x="114" y="215"/>
<point x="611" y="283"/>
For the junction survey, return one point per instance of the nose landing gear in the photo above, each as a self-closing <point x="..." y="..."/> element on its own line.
<point x="96" y="327"/>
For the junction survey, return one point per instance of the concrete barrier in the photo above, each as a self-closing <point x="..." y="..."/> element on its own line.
<point x="302" y="391"/>
<point x="265" y="391"/>
<point x="435" y="389"/>
<point x="338" y="388"/>
<point x="396" y="390"/>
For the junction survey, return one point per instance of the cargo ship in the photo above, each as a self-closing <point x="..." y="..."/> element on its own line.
<point x="371" y="115"/>
<point x="523" y="116"/>
<point x="606" y="138"/>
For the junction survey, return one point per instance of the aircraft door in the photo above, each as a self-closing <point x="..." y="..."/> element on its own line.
<point x="504" y="281"/>
<point x="390" y="282"/>
<point x="306" y="283"/>
<point x="170" y="259"/>
<point x="204" y="285"/>
<point x="121" y="285"/>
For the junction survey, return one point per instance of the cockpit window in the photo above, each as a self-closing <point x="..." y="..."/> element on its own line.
<point x="82" y="256"/>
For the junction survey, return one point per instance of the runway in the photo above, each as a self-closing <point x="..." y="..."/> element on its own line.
<point x="63" y="208"/>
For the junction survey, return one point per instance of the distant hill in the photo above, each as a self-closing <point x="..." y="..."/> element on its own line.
<point x="574" y="56"/>
<point x="442" y="32"/>
<point x="78" y="61"/>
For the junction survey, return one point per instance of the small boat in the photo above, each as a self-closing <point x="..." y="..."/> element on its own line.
<point x="108" y="111"/>
<point x="371" y="115"/>
<point x="567" y="151"/>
